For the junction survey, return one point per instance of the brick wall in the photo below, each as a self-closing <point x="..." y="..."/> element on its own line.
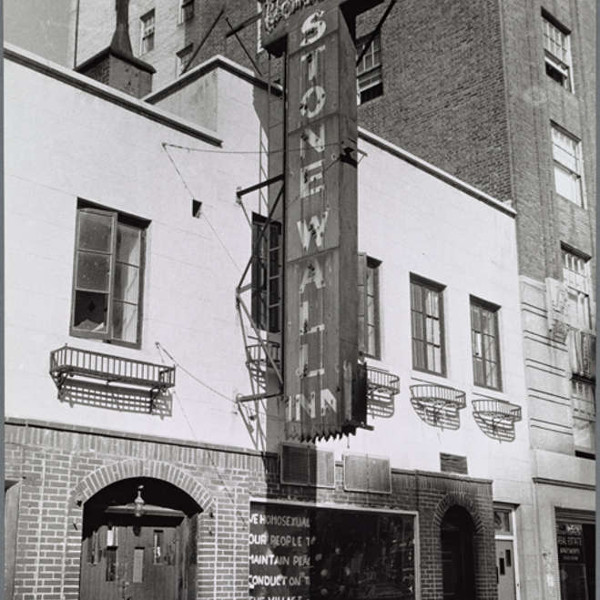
<point x="60" y="469"/>
<point x="444" y="88"/>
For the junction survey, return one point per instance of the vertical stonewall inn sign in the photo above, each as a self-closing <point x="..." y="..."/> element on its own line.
<point x="324" y="386"/>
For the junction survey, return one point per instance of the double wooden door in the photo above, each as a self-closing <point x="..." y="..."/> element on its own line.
<point x="138" y="558"/>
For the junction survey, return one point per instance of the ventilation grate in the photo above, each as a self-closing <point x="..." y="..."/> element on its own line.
<point x="305" y="465"/>
<point x="363" y="473"/>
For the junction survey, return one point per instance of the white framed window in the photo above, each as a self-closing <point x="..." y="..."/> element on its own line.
<point x="485" y="343"/>
<point x="368" y="306"/>
<point x="369" y="69"/>
<point x="583" y="401"/>
<point x="566" y="152"/>
<point x="183" y="58"/>
<point x="557" y="52"/>
<point x="577" y="278"/>
<point x="147" y="23"/>
<point x="186" y="10"/>
<point x="108" y="276"/>
<point x="427" y="325"/>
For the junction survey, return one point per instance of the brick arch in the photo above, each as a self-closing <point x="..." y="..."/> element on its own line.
<point x="464" y="501"/>
<point x="127" y="469"/>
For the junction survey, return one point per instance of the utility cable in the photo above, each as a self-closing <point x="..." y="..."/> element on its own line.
<point x="187" y="187"/>
<point x="161" y="348"/>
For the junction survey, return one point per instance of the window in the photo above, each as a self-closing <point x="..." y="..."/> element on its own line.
<point x="368" y="306"/>
<point x="557" y="50"/>
<point x="576" y="275"/>
<point x="427" y="322"/>
<point x="369" y="74"/>
<point x="186" y="10"/>
<point x="584" y="417"/>
<point x="147" y="32"/>
<point x="183" y="58"/>
<point x="266" y="280"/>
<point x="566" y="151"/>
<point x="485" y="347"/>
<point x="576" y="548"/>
<point x="107" y="282"/>
<point x="355" y="554"/>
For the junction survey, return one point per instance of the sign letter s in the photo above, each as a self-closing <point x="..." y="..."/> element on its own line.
<point x="313" y="28"/>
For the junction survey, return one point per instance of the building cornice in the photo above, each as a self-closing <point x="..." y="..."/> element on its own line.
<point x="137" y="437"/>
<point x="566" y="484"/>
<point x="108" y="94"/>
<point x="213" y="63"/>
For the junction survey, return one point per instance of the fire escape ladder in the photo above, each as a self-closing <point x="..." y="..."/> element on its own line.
<point x="262" y="351"/>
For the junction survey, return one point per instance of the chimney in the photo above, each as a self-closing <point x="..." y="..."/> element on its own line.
<point x="116" y="65"/>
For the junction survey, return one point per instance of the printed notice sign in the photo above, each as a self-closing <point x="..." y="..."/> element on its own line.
<point x="303" y="552"/>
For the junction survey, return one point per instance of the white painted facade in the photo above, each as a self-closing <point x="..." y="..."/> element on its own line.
<point x="68" y="137"/>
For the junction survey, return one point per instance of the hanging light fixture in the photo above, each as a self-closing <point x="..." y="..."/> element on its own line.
<point x="139" y="502"/>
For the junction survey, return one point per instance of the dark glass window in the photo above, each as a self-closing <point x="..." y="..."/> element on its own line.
<point x="266" y="274"/>
<point x="368" y="306"/>
<point x="427" y="321"/>
<point x="369" y="69"/>
<point x="485" y="346"/>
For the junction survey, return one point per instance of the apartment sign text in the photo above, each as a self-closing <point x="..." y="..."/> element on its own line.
<point x="321" y="313"/>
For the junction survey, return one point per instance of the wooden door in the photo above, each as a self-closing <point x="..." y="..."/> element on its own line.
<point x="458" y="564"/>
<point x="135" y="558"/>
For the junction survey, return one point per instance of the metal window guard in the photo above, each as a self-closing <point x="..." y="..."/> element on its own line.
<point x="582" y="351"/>
<point x="382" y="386"/>
<point x="497" y="411"/>
<point x="69" y="363"/>
<point x="257" y="359"/>
<point x="496" y="418"/>
<point x="438" y="405"/>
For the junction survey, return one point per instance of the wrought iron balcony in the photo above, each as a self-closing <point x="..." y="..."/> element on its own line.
<point x="382" y="386"/>
<point x="582" y="353"/>
<point x="76" y="373"/>
<point x="496" y="418"/>
<point x="438" y="405"/>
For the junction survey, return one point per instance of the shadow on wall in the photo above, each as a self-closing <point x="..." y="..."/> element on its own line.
<point x="500" y="430"/>
<point x="117" y="398"/>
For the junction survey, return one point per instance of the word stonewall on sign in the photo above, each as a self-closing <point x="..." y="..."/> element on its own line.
<point x="321" y="380"/>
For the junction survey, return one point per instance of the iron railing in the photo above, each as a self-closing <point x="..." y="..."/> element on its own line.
<point x="497" y="410"/>
<point x="440" y="396"/>
<point x="68" y="362"/>
<point x="382" y="386"/>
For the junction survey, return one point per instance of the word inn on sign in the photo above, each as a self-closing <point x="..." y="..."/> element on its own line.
<point x="324" y="392"/>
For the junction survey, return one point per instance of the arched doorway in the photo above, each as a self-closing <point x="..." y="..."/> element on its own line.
<point x="139" y="542"/>
<point x="458" y="559"/>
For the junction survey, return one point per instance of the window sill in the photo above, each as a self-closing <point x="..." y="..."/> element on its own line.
<point x="120" y="343"/>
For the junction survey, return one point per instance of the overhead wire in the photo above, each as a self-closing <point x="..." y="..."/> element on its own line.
<point x="208" y="451"/>
<point x="187" y="187"/>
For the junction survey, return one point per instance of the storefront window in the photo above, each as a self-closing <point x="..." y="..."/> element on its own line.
<point x="576" y="557"/>
<point x="306" y="552"/>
